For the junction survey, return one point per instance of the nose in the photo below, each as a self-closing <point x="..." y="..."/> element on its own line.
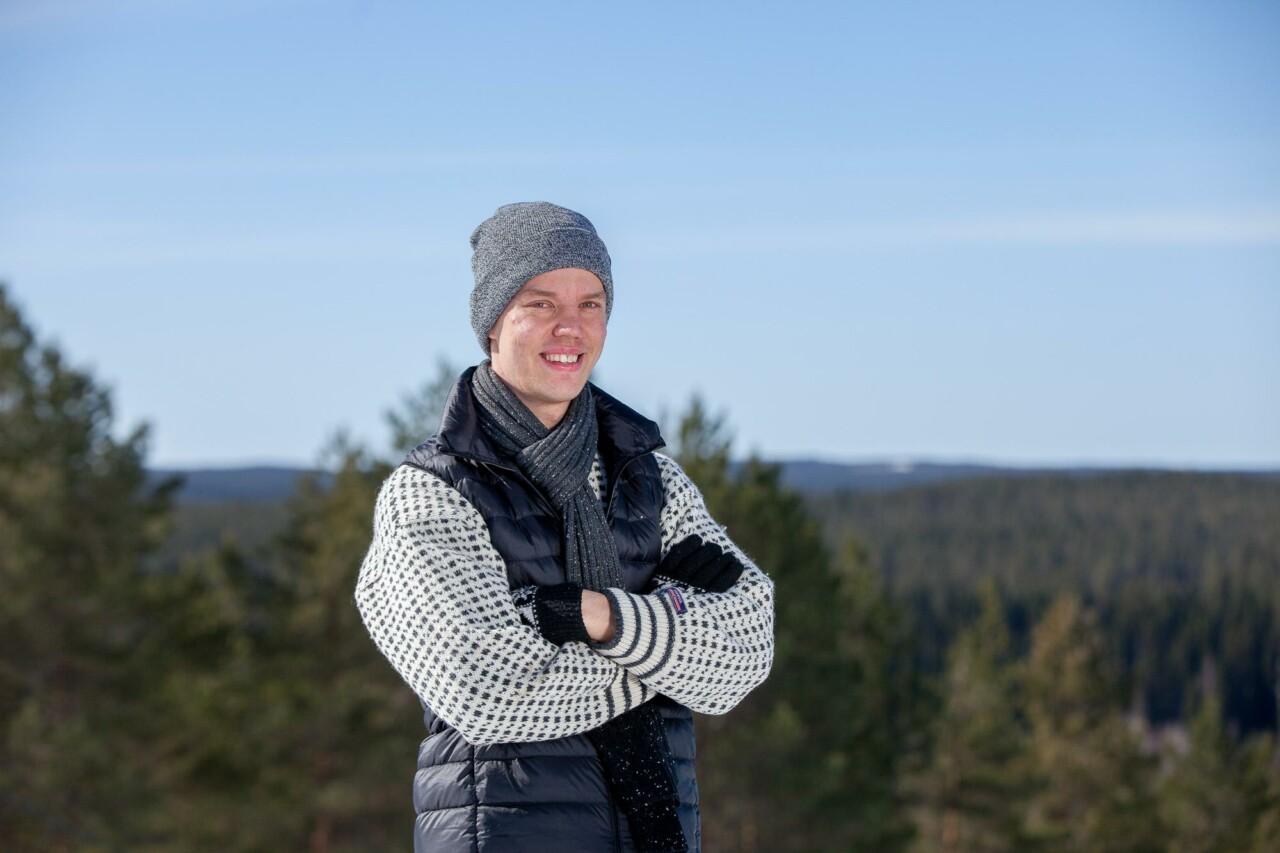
<point x="569" y="323"/>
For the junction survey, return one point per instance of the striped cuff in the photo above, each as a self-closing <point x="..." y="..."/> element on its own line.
<point x="644" y="631"/>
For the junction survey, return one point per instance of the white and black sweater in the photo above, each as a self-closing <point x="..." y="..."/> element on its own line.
<point x="434" y="595"/>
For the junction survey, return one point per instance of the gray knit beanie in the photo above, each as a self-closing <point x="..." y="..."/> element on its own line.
<point x="526" y="239"/>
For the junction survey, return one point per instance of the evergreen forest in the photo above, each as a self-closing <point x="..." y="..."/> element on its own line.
<point x="1035" y="663"/>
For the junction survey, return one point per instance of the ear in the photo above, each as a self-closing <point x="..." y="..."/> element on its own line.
<point x="493" y="336"/>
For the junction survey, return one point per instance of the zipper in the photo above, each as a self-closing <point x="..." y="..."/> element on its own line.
<point x="613" y="487"/>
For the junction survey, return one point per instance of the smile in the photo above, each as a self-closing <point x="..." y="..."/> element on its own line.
<point x="563" y="362"/>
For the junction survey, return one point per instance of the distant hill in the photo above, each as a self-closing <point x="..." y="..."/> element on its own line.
<point x="258" y="484"/>
<point x="815" y="476"/>
<point x="271" y="484"/>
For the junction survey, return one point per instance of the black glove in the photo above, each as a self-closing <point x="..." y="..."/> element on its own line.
<point x="699" y="564"/>
<point x="556" y="611"/>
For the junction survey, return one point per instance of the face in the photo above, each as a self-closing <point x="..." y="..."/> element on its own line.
<point x="559" y="313"/>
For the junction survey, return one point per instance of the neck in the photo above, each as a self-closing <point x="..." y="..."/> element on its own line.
<point x="549" y="413"/>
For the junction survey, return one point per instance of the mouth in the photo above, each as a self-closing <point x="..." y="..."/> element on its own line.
<point x="564" y="362"/>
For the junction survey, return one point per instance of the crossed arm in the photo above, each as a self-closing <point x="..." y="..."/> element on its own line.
<point x="706" y="650"/>
<point x="433" y="593"/>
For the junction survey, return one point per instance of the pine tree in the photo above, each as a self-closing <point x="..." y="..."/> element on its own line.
<point x="1221" y="796"/>
<point x="287" y="724"/>
<point x="1097" y="791"/>
<point x="346" y="720"/>
<point x="1260" y="775"/>
<point x="419" y="413"/>
<point x="808" y="760"/>
<point x="213" y="626"/>
<point x="77" y="516"/>
<point x="972" y="792"/>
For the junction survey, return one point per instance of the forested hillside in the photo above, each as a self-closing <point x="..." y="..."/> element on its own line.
<point x="956" y="665"/>
<point x="1182" y="568"/>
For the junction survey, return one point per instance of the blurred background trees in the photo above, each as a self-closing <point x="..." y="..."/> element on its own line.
<point x="1042" y="663"/>
<point x="77" y="754"/>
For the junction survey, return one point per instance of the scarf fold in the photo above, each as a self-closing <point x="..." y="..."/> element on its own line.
<point x="634" y="753"/>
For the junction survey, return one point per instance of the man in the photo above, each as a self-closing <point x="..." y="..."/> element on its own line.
<point x="554" y="590"/>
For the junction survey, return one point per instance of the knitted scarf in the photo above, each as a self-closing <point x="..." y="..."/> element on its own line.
<point x="633" y="749"/>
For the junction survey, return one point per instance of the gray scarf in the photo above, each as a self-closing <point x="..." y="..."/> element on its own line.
<point x="558" y="461"/>
<point x="633" y="749"/>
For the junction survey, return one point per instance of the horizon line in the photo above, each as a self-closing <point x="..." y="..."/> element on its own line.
<point x="900" y="462"/>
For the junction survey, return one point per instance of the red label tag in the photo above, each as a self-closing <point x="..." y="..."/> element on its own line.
<point x="676" y="599"/>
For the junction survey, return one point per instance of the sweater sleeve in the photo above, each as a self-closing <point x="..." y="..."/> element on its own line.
<point x="706" y="650"/>
<point x="433" y="593"/>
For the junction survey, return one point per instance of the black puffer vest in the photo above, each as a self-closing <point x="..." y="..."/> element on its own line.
<point x="545" y="795"/>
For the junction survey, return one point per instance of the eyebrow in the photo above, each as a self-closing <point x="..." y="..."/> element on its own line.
<point x="534" y="291"/>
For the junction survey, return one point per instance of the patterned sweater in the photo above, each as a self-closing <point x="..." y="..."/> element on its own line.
<point x="434" y="595"/>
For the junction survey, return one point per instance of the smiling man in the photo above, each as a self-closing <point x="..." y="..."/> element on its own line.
<point x="551" y="587"/>
<point x="548" y="338"/>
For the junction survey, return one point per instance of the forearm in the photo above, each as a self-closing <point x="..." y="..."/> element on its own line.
<point x="597" y="615"/>
<point x="565" y="612"/>
<point x="434" y="597"/>
<point x="707" y="650"/>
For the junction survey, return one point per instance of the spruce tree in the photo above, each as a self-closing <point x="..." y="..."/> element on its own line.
<point x="418" y="415"/>
<point x="1221" y="796"/>
<point x="808" y="760"/>
<point x="972" y="792"/>
<point x="1097" y="785"/>
<point x="77" y="517"/>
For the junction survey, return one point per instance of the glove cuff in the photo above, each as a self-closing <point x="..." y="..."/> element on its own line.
<point x="558" y="611"/>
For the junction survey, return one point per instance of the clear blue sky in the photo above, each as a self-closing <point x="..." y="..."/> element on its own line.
<point x="1001" y="232"/>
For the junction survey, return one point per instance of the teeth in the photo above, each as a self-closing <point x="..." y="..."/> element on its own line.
<point x="562" y="358"/>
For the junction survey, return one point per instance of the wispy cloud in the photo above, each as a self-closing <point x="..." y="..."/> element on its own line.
<point x="1100" y="228"/>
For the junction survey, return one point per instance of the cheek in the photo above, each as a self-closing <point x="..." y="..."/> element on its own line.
<point x="522" y="331"/>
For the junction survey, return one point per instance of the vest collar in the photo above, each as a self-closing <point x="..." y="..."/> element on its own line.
<point x="624" y="432"/>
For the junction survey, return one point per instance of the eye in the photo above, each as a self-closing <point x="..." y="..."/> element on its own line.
<point x="541" y="303"/>
<point x="592" y="303"/>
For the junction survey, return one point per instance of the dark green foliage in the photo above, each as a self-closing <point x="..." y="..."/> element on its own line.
<point x="419" y="413"/>
<point x="1095" y="783"/>
<point x="199" y="701"/>
<point x="808" y="760"/>
<point x="75" y="522"/>
<point x="249" y="528"/>
<point x="988" y="665"/>
<point x="973" y="789"/>
<point x="1222" y="796"/>
<point x="1176" y="565"/>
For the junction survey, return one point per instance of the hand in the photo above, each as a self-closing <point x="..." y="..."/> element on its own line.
<point x="565" y="612"/>
<point x="555" y="611"/>
<point x="597" y="615"/>
<point x="699" y="564"/>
